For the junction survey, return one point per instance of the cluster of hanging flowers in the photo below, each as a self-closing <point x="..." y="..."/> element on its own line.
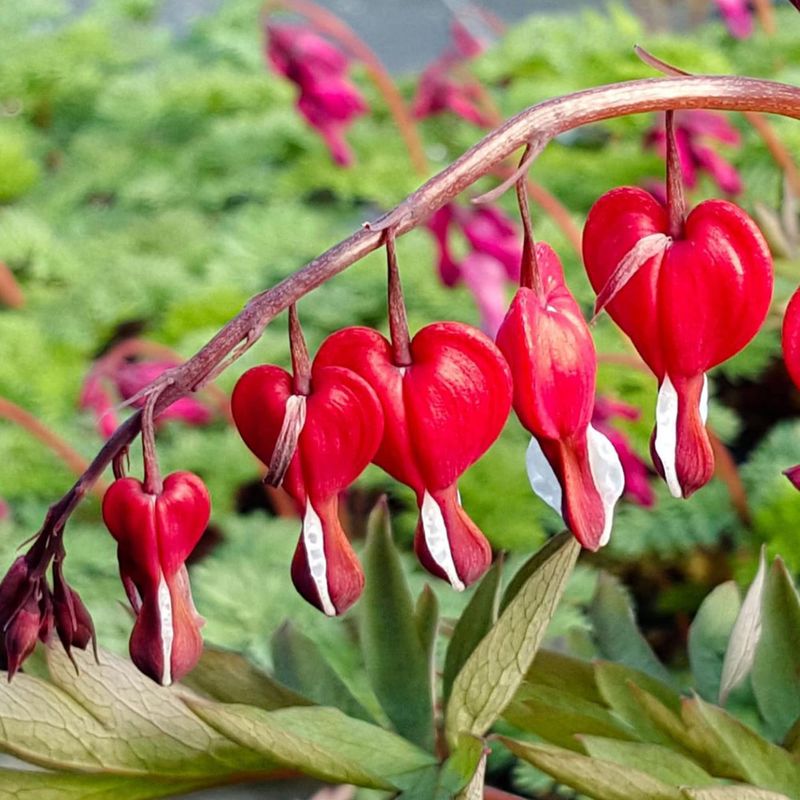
<point x="689" y="288"/>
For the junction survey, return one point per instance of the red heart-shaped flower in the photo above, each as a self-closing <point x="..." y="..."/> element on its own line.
<point x="155" y="535"/>
<point x="442" y="412"/>
<point x="341" y="427"/>
<point x="687" y="309"/>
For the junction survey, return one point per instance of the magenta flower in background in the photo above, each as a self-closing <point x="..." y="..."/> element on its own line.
<point x="694" y="131"/>
<point x="328" y="100"/>
<point x="5" y="510"/>
<point x="738" y="16"/>
<point x="495" y="250"/>
<point x="445" y="85"/>
<point x="637" y="474"/>
<point x="109" y="384"/>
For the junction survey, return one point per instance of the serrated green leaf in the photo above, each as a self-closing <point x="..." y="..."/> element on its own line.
<point x="397" y="664"/>
<point x="473" y="624"/>
<point x="776" y="668"/>
<point x="230" y="678"/>
<point x="616" y="633"/>
<point x="738" y="750"/>
<point x="709" y="634"/>
<point x="494" y="671"/>
<point x="300" y="665"/>
<point x="321" y="742"/>
<point x="733" y="793"/>
<point x="560" y="718"/>
<point x="657" y="761"/>
<point x="602" y="780"/>
<point x="741" y="652"/>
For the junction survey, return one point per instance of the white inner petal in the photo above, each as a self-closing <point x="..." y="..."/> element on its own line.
<point x="314" y="543"/>
<point x="543" y="480"/>
<point x="704" y="400"/>
<point x="435" y="533"/>
<point x="666" y="441"/>
<point x="608" y="475"/>
<point x="166" y="629"/>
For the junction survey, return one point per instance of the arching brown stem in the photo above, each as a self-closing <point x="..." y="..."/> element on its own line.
<point x="548" y="119"/>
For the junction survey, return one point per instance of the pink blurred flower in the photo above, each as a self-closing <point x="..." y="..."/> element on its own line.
<point x="694" y="130"/>
<point x="109" y="384"/>
<point x="495" y="250"/>
<point x="5" y="510"/>
<point x="328" y="100"/>
<point x="445" y="84"/>
<point x="637" y="473"/>
<point x="737" y="16"/>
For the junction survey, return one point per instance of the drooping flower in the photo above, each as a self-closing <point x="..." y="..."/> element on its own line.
<point x="327" y="99"/>
<point x="113" y="381"/>
<point x="691" y="306"/>
<point x="790" y="340"/>
<point x="571" y="465"/>
<point x="25" y="614"/>
<point x="492" y="261"/>
<point x="637" y="474"/>
<point x="695" y="130"/>
<point x="738" y="16"/>
<point x="326" y="436"/>
<point x="445" y="85"/>
<point x="442" y="412"/>
<point x="155" y="534"/>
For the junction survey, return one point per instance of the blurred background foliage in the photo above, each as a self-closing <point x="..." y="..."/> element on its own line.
<point x="149" y="184"/>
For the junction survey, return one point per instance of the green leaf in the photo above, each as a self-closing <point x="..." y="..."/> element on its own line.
<point x="657" y="761"/>
<point x="321" y="742"/>
<point x="709" y="635"/>
<point x="474" y="789"/>
<point x="748" y="756"/>
<point x="426" y="618"/>
<point x="741" y="652"/>
<point x="560" y="718"/>
<point x="112" y="718"/>
<point x="776" y="669"/>
<point x="733" y="793"/>
<point x="494" y="671"/>
<point x="28" y="785"/>
<point x="462" y="765"/>
<point x="601" y="780"/>
<point x="300" y="665"/>
<point x="615" y="631"/>
<point x="230" y="678"/>
<point x="397" y="664"/>
<point x="560" y="671"/>
<point x="473" y="624"/>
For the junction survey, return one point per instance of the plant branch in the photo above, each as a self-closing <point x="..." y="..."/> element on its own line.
<point x="10" y="291"/>
<point x="547" y="119"/>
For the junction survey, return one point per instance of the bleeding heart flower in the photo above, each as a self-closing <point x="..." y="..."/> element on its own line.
<point x="791" y="355"/>
<point x="442" y="412"/>
<point x="547" y="343"/>
<point x="327" y="99"/>
<point x="692" y="305"/>
<point x="340" y="425"/>
<point x="155" y="535"/>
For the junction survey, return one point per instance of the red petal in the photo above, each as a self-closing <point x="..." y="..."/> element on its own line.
<point x="791" y="338"/>
<point x="325" y="570"/>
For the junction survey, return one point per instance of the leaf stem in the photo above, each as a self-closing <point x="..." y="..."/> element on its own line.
<point x="549" y="119"/>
